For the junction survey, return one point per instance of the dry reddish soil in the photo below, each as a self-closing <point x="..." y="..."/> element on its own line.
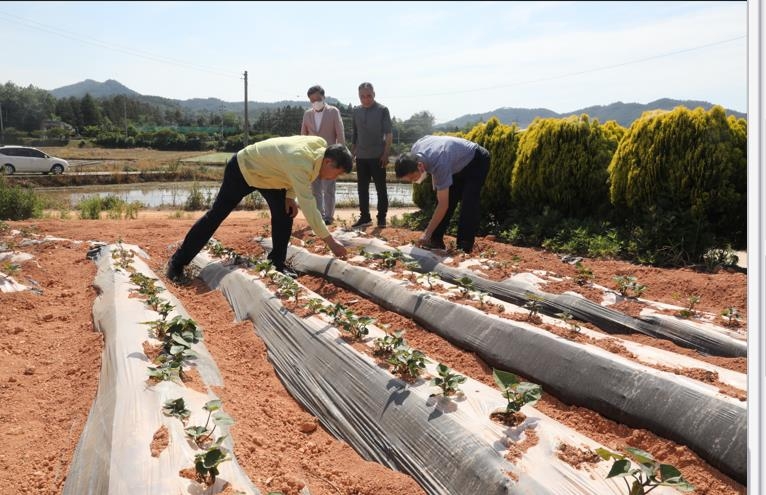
<point x="51" y="357"/>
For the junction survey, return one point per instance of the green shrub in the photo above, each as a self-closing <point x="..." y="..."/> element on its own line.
<point x="502" y="142"/>
<point x="18" y="203"/>
<point x="562" y="164"/>
<point x="679" y="177"/>
<point x="196" y="200"/>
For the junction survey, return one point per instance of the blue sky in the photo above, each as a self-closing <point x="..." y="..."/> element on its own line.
<point x="450" y="58"/>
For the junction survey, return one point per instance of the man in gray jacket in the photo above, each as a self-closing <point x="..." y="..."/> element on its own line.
<point x="323" y="120"/>
<point x="371" y="145"/>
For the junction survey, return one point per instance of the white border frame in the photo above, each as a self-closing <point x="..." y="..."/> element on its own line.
<point x="755" y="243"/>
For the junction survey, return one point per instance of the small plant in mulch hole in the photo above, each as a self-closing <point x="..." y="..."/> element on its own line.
<point x="647" y="476"/>
<point x="177" y="409"/>
<point x="10" y="268"/>
<point x="389" y="258"/>
<point x="688" y="311"/>
<point x="732" y="316"/>
<point x="533" y="305"/>
<point x="517" y="393"/>
<point x="570" y="321"/>
<point x="206" y="463"/>
<point x="407" y="363"/>
<point x="178" y="337"/>
<point x="287" y="288"/>
<point x="123" y="258"/>
<point x="628" y="286"/>
<point x="343" y="318"/>
<point x="429" y="279"/>
<point x="200" y="435"/>
<point x="584" y="274"/>
<point x="160" y="305"/>
<point x="447" y="381"/>
<point x="385" y="346"/>
<point x="147" y="286"/>
<point x="466" y="286"/>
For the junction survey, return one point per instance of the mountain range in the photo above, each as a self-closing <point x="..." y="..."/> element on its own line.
<point x="622" y="113"/>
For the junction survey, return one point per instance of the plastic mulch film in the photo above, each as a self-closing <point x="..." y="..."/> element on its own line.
<point x="688" y="412"/>
<point x="609" y="320"/>
<point x="113" y="454"/>
<point x="448" y="448"/>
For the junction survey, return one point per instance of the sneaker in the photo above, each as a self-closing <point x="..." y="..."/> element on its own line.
<point x="362" y="223"/>
<point x="328" y="221"/>
<point x="176" y="274"/>
<point x="382" y="224"/>
<point x="287" y="272"/>
<point x="430" y="245"/>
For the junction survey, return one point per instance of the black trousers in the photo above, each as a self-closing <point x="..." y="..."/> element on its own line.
<point x="466" y="189"/>
<point x="366" y="169"/>
<point x="233" y="190"/>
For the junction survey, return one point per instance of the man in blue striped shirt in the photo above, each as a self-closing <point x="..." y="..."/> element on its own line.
<point x="458" y="169"/>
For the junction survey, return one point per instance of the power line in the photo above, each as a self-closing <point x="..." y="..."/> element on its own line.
<point x="102" y="44"/>
<point x="570" y="74"/>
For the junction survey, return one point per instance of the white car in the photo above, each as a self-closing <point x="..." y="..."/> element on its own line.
<point x="24" y="159"/>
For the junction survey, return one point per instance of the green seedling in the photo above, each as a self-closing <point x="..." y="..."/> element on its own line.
<point x="200" y="434"/>
<point x="649" y="475"/>
<point x="466" y="286"/>
<point x="206" y="463"/>
<point x="429" y="279"/>
<point x="315" y="305"/>
<point x="570" y="321"/>
<point x="628" y="286"/>
<point x="716" y="258"/>
<point x="385" y="346"/>
<point x="447" y="381"/>
<point x="516" y="392"/>
<point x="689" y="312"/>
<point x="389" y="258"/>
<point x="177" y="409"/>
<point x="286" y="287"/>
<point x="533" y="305"/>
<point x="10" y="268"/>
<point x="407" y="362"/>
<point x="584" y="275"/>
<point x="732" y="316"/>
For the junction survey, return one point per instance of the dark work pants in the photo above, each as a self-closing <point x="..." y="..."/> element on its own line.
<point x="366" y="169"/>
<point x="233" y="189"/>
<point x="466" y="188"/>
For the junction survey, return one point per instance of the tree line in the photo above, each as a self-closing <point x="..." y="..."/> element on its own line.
<point x="123" y="121"/>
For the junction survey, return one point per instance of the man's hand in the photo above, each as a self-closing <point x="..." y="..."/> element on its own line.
<point x="424" y="240"/>
<point x="384" y="160"/>
<point x="336" y="247"/>
<point x="291" y="207"/>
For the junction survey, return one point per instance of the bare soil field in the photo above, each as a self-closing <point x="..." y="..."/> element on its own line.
<point x="51" y="355"/>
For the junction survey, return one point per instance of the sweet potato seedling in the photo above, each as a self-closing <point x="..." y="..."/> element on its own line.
<point x="570" y="321"/>
<point x="177" y="409"/>
<point x="732" y="315"/>
<point x="385" y="346"/>
<point x="447" y="381"/>
<point x="647" y="476"/>
<point x="628" y="286"/>
<point x="200" y="434"/>
<point x="407" y="362"/>
<point x="533" y="305"/>
<point x="429" y="278"/>
<point x="584" y="275"/>
<point x="206" y="463"/>
<point x="516" y="392"/>
<point x="688" y="311"/>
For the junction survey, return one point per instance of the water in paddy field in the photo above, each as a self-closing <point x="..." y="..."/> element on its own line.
<point x="175" y="194"/>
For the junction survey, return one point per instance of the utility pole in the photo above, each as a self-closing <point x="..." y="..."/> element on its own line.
<point x="2" y="129"/>
<point x="125" y="114"/>
<point x="247" y="123"/>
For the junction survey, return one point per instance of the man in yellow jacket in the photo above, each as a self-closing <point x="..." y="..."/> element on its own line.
<point x="282" y="170"/>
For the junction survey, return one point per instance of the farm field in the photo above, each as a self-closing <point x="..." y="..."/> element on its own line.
<point x="52" y="355"/>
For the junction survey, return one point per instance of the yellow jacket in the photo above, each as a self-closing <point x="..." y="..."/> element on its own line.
<point x="290" y="163"/>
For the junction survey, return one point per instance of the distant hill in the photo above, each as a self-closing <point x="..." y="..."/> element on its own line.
<point x="623" y="113"/>
<point x="111" y="87"/>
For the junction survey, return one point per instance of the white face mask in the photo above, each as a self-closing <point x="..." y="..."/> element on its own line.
<point x="422" y="177"/>
<point x="318" y="105"/>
